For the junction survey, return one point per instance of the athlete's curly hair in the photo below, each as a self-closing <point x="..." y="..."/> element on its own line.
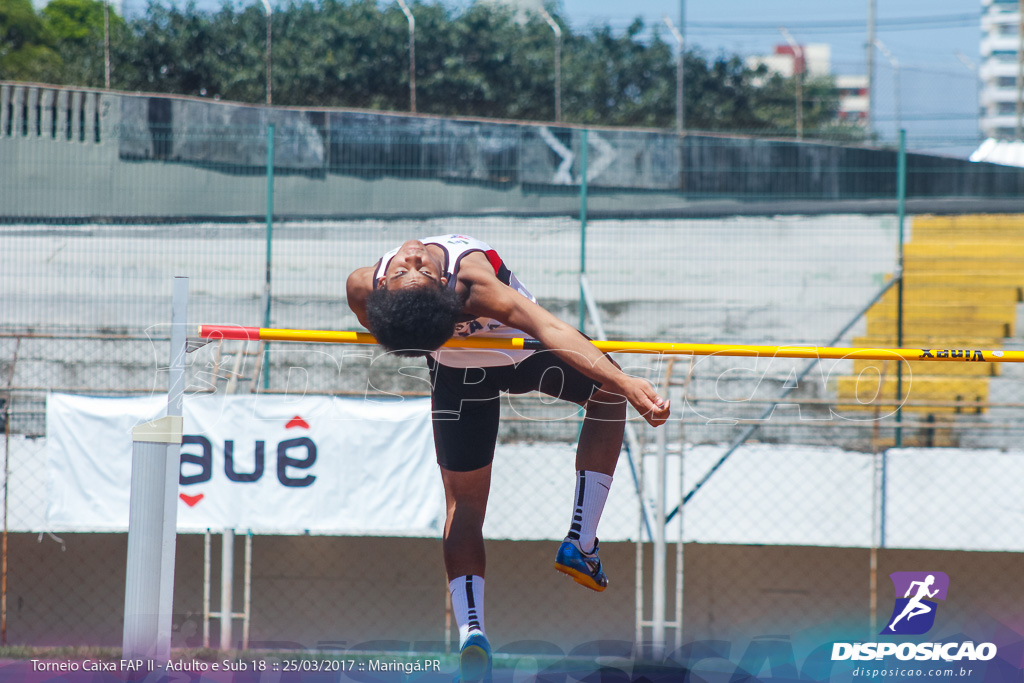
<point x="415" y="321"/>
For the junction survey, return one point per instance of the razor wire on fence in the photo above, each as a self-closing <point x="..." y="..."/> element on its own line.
<point x="696" y="239"/>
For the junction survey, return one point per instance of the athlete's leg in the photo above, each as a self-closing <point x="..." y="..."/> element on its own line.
<point x="466" y="498"/>
<point x="596" y="456"/>
<point x="601" y="436"/>
<point x="464" y="560"/>
<point x="465" y="420"/>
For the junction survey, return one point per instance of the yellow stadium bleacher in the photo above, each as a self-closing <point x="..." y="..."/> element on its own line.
<point x="963" y="277"/>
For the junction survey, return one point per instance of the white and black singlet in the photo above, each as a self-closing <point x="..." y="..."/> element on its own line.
<point x="457" y="247"/>
<point x="466" y="383"/>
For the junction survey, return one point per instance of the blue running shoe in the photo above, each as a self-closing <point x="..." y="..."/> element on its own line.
<point x="475" y="659"/>
<point x="584" y="568"/>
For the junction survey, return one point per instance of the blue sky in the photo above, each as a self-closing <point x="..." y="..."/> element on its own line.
<point x="938" y="89"/>
<point x="916" y="31"/>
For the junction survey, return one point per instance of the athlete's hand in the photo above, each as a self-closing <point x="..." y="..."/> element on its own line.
<point x="642" y="396"/>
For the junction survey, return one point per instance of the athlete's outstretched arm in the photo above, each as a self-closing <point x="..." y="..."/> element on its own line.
<point x="488" y="296"/>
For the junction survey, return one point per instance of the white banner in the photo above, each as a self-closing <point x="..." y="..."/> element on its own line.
<point x="316" y="465"/>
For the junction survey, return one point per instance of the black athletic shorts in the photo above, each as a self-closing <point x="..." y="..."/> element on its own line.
<point x="466" y="404"/>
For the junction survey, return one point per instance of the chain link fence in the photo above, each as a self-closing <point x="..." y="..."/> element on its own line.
<point x="796" y="485"/>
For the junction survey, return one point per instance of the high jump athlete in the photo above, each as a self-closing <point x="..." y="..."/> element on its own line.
<point x="417" y="297"/>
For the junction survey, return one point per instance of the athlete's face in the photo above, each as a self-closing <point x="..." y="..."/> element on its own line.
<point x="413" y="266"/>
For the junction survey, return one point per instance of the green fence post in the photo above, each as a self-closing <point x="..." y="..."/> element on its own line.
<point x="270" y="235"/>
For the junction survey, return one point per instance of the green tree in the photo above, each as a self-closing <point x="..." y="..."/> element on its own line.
<point x="720" y="94"/>
<point x="177" y="51"/>
<point x="78" y="28"/>
<point x="480" y="60"/>
<point x="26" y="47"/>
<point x="477" y="64"/>
<point x="620" y="80"/>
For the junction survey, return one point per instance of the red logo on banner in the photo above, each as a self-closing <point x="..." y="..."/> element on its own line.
<point x="190" y="500"/>
<point x="297" y="422"/>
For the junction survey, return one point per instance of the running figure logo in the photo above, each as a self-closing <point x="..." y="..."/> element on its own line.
<point x="914" y="613"/>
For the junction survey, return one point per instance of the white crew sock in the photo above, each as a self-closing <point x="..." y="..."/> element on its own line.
<point x="468" y="605"/>
<point x="591" y="494"/>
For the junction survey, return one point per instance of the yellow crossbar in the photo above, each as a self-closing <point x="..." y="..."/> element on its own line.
<point x="824" y="352"/>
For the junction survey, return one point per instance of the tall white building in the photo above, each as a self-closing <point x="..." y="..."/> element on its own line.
<point x="853" y="98"/>
<point x="816" y="62"/>
<point x="998" y="72"/>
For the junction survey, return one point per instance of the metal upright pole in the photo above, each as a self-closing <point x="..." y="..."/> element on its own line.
<point x="270" y="234"/>
<point x="638" y="602"/>
<point x="1020" y="70"/>
<point x="558" y="62"/>
<point x="869" y="119"/>
<point x="412" y="54"/>
<point x="901" y="199"/>
<point x="270" y="14"/>
<point x="658" y="568"/>
<point x="153" y="509"/>
<point x="798" y="79"/>
<point x="895" y="63"/>
<point x="6" y="412"/>
<point x="227" y="574"/>
<point x="898" y="97"/>
<point x="583" y="221"/>
<point x="680" y="539"/>
<point x="206" y="588"/>
<point x="681" y="77"/>
<point x="247" y="592"/>
<point x="679" y="73"/>
<point x="106" y="45"/>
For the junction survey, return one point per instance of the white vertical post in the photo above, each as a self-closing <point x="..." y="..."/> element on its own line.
<point x="558" y="62"/>
<point x="895" y="63"/>
<point x="798" y="78"/>
<point x="227" y="588"/>
<point x="412" y="54"/>
<point x="153" y="509"/>
<point x="680" y="116"/>
<point x="658" y="569"/>
<point x="270" y="15"/>
<point x="870" y="45"/>
<point x="680" y="539"/>
<point x="247" y="592"/>
<point x="639" y="597"/>
<point x="106" y="44"/>
<point x="206" y="589"/>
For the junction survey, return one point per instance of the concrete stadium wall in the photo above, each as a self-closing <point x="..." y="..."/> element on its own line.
<point x="85" y="155"/>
